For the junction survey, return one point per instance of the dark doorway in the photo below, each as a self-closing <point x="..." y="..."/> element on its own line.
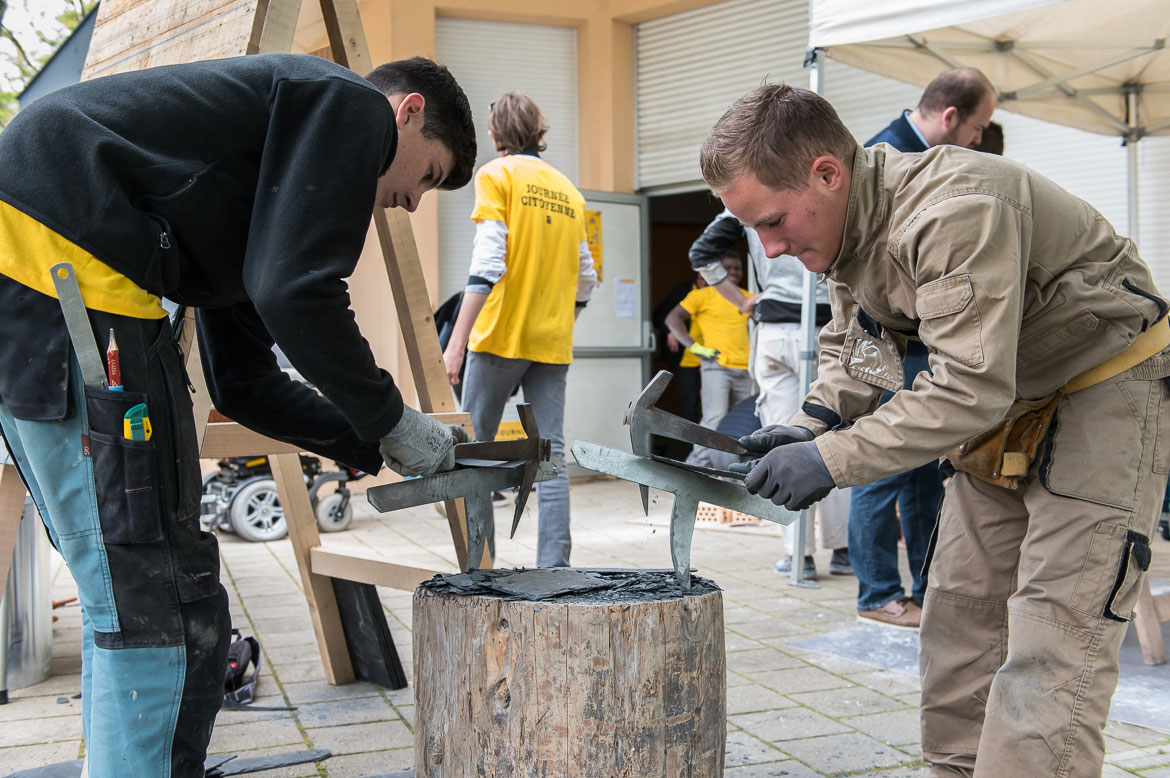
<point x="675" y="221"/>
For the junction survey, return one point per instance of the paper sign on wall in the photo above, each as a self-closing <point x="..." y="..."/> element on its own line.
<point x="593" y="236"/>
<point x="625" y="298"/>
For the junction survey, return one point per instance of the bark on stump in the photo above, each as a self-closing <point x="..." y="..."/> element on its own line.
<point x="576" y="687"/>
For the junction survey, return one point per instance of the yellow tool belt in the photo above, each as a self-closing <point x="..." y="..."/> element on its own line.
<point x="1003" y="455"/>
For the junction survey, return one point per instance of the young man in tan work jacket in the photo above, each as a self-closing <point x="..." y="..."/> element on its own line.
<point x="1019" y="290"/>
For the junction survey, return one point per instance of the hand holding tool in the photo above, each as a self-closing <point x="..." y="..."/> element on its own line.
<point x="774" y="435"/>
<point x="706" y="352"/>
<point x="479" y="469"/>
<point x="645" y="421"/>
<point x="688" y="487"/>
<point x="419" y="445"/>
<point x="792" y="475"/>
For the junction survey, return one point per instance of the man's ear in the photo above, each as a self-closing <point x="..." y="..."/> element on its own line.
<point x="949" y="117"/>
<point x="408" y="108"/>
<point x="827" y="171"/>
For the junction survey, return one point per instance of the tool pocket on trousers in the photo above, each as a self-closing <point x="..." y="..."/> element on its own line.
<point x="1162" y="434"/>
<point x="197" y="569"/>
<point x="1135" y="560"/>
<point x="1093" y="450"/>
<point x="1107" y="585"/>
<point x="124" y="471"/>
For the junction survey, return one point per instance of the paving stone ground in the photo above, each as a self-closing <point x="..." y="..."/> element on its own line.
<point x="790" y="712"/>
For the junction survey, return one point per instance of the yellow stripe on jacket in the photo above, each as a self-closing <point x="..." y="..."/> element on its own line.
<point x="28" y="248"/>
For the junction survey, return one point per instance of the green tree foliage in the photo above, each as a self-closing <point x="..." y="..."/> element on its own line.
<point x="25" y="48"/>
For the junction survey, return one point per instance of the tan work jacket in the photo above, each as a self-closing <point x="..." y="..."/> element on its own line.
<point x="1013" y="284"/>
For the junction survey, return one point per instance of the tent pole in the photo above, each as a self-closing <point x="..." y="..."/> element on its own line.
<point x="808" y="354"/>
<point x="1131" y="149"/>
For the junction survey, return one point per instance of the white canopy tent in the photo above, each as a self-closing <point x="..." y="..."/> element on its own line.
<point x="1095" y="65"/>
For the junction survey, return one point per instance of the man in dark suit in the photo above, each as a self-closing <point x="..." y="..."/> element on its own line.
<point x="955" y="109"/>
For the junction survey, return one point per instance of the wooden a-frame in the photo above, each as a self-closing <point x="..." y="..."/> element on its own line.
<point x="135" y="34"/>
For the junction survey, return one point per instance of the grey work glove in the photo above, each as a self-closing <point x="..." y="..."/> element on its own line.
<point x="419" y="445"/>
<point x="764" y="440"/>
<point x="793" y="475"/>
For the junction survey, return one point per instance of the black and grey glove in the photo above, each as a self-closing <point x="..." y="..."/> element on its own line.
<point x="764" y="440"/>
<point x="419" y="445"/>
<point x="793" y="475"/>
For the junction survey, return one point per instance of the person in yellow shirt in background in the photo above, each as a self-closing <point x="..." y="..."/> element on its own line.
<point x="531" y="275"/>
<point x="724" y="350"/>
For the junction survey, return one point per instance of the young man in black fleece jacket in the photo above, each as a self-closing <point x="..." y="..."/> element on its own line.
<point x="242" y="187"/>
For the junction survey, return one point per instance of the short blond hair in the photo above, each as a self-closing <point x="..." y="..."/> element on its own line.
<point x="775" y="131"/>
<point x="517" y="123"/>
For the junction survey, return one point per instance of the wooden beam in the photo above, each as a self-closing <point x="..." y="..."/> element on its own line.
<point x="400" y="253"/>
<point x="302" y="531"/>
<point x="459" y="419"/>
<point x="1162" y="606"/>
<point x="347" y="38"/>
<point x="414" y="310"/>
<point x="137" y="34"/>
<point x="229" y="439"/>
<point x="11" y="510"/>
<point x="367" y="569"/>
<point x="275" y="25"/>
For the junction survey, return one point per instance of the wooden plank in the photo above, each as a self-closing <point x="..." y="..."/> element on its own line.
<point x="367" y="569"/>
<point x="279" y="23"/>
<point x="400" y="253"/>
<point x="302" y="532"/>
<point x="11" y="509"/>
<point x="347" y="38"/>
<point x="460" y="419"/>
<point x="1147" y="624"/>
<point x="414" y="309"/>
<point x="229" y="439"/>
<point x="1162" y="606"/>
<point x="166" y="32"/>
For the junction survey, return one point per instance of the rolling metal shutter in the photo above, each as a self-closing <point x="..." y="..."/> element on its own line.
<point x="488" y="59"/>
<point x="691" y="66"/>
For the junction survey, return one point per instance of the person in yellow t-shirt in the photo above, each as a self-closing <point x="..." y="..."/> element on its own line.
<point x="531" y="275"/>
<point x="723" y="351"/>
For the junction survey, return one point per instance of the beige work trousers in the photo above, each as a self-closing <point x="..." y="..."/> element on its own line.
<point x="1030" y="590"/>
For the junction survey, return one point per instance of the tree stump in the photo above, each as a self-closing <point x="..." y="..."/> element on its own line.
<point x="625" y="680"/>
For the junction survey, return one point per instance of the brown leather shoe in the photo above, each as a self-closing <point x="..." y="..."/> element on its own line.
<point x="901" y="613"/>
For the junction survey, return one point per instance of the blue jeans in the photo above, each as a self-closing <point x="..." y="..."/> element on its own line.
<point x="873" y="523"/>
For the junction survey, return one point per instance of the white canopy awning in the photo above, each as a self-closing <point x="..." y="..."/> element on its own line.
<point x="1073" y="62"/>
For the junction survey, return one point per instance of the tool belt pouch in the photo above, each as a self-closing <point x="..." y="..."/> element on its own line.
<point x="123" y="470"/>
<point x="1002" y="455"/>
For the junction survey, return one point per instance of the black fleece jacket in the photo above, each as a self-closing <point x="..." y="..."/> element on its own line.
<point x="243" y="187"/>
